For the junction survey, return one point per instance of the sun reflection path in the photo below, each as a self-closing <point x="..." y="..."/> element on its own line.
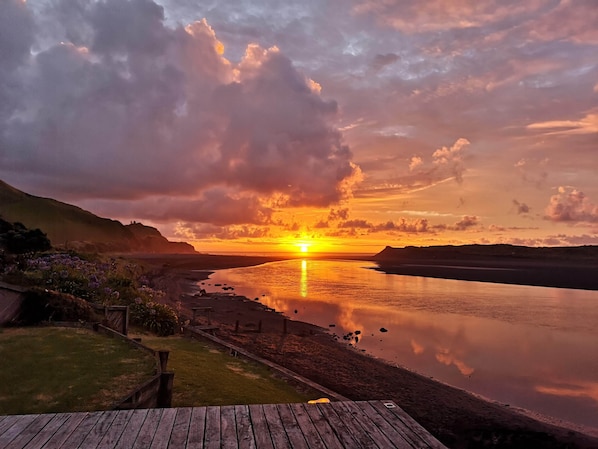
<point x="304" y="278"/>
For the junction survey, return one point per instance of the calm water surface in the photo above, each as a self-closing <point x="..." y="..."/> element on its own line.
<point x="530" y="347"/>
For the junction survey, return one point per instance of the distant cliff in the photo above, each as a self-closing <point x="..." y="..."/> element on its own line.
<point x="566" y="267"/>
<point x="71" y="227"/>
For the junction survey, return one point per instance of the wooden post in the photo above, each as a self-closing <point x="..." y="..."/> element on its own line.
<point x="237" y="326"/>
<point x="163" y="360"/>
<point x="259" y="327"/>
<point x="284" y="326"/>
<point x="165" y="390"/>
<point x="209" y="311"/>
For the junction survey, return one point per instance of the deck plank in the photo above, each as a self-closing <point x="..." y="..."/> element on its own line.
<point x="341" y="429"/>
<point x="164" y="429"/>
<point x="412" y="425"/>
<point x="292" y="427"/>
<point x="261" y="431"/>
<point x="308" y="429"/>
<point x="30" y="431"/>
<point x="99" y="430"/>
<point x="79" y="433"/>
<point x="245" y="435"/>
<point x="48" y="431"/>
<point x="180" y="429"/>
<point x="148" y="429"/>
<point x="16" y="425"/>
<point x="362" y="420"/>
<point x="57" y="440"/>
<point x="212" y="432"/>
<point x="117" y="427"/>
<point x="277" y="430"/>
<point x="197" y="426"/>
<point x="322" y="425"/>
<point x="132" y="429"/>
<point x="392" y="432"/>
<point x="228" y="428"/>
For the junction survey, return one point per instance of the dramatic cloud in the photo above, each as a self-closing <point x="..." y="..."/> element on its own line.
<point x="522" y="208"/>
<point x="571" y="205"/>
<point x="135" y="108"/>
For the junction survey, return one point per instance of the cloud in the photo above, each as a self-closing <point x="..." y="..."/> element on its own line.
<point x="452" y="158"/>
<point x="571" y="205"/>
<point x="585" y="125"/>
<point x="466" y="222"/>
<point x="522" y="208"/>
<point x="135" y="109"/>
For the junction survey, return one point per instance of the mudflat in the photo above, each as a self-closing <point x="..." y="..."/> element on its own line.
<point x="457" y="418"/>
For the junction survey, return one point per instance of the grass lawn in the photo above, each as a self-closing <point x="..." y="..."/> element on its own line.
<point x="205" y="375"/>
<point x="60" y="370"/>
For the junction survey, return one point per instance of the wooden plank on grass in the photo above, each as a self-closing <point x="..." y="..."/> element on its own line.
<point x="212" y="432"/>
<point x="228" y="428"/>
<point x="197" y="426"/>
<point x="244" y="431"/>
<point x="411" y="424"/>
<point x="180" y="429"/>
<point x="29" y="432"/>
<point x="261" y="431"/>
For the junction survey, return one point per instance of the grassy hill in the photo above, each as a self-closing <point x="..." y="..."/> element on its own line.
<point x="72" y="227"/>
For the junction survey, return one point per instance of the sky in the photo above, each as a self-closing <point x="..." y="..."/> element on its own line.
<point x="328" y="125"/>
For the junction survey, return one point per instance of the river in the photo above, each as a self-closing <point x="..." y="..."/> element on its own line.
<point x="530" y="347"/>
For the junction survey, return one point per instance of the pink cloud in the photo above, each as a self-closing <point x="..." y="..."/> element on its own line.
<point x="571" y="205"/>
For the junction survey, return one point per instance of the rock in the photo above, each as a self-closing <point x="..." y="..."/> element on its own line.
<point x="382" y="329"/>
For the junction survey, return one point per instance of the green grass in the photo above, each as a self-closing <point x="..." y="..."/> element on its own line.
<point x="204" y="375"/>
<point x="58" y="370"/>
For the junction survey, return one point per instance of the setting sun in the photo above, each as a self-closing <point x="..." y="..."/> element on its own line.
<point x="303" y="247"/>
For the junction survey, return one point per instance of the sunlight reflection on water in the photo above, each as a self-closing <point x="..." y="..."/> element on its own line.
<point x="533" y="347"/>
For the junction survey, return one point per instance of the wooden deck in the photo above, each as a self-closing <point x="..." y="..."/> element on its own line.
<point x="337" y="425"/>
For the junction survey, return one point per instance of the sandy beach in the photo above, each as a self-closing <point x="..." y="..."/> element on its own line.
<point x="457" y="418"/>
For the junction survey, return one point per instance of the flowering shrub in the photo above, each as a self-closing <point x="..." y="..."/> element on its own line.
<point x="105" y="282"/>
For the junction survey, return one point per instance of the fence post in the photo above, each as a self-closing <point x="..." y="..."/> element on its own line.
<point x="165" y="390"/>
<point x="163" y="355"/>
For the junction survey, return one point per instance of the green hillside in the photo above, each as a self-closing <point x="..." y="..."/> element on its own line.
<point x="72" y="227"/>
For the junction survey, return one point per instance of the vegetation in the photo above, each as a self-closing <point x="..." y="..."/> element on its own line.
<point x="103" y="281"/>
<point x="66" y="370"/>
<point x="205" y="375"/>
<point x="15" y="238"/>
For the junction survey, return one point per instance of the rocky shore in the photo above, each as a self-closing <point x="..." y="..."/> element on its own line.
<point x="457" y="418"/>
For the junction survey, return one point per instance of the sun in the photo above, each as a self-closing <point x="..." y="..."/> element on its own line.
<point x="304" y="247"/>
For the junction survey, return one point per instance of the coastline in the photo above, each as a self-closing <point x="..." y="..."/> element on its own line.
<point x="458" y="418"/>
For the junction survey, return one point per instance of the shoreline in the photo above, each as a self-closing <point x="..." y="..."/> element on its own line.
<point x="457" y="417"/>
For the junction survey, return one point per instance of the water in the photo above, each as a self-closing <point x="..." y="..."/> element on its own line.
<point x="530" y="347"/>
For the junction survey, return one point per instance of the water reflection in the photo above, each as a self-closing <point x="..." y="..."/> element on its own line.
<point x="304" y="278"/>
<point x="531" y="347"/>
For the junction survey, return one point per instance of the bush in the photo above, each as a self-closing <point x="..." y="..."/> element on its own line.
<point x="41" y="305"/>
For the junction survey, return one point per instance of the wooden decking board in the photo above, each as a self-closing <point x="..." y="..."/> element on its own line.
<point x="180" y="429"/>
<point x="18" y="425"/>
<point x="164" y="429"/>
<point x="291" y="426"/>
<point x="132" y="429"/>
<point x="323" y="427"/>
<point x="197" y="426"/>
<point x="277" y="428"/>
<point x="30" y="431"/>
<point x="393" y="433"/>
<point x="148" y="429"/>
<point x="228" y="428"/>
<point x="340" y="425"/>
<point x="411" y="424"/>
<point x="57" y="440"/>
<point x="261" y="432"/>
<point x="212" y="431"/>
<point x="48" y="431"/>
<point x="245" y="435"/>
<point x="99" y="430"/>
